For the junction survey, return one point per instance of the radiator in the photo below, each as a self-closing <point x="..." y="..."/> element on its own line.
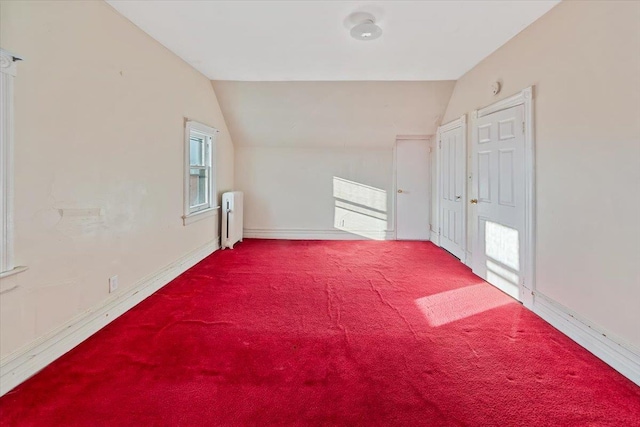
<point x="231" y="230"/>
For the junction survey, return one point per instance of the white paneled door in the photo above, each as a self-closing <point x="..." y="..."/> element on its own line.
<point x="412" y="189"/>
<point x="452" y="181"/>
<point x="499" y="199"/>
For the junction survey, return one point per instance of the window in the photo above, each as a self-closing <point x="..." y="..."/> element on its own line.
<point x="199" y="186"/>
<point x="7" y="74"/>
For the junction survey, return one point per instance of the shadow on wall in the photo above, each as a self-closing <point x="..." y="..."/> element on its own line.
<point x="360" y="209"/>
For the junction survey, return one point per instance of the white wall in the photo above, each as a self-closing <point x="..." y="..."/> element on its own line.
<point x="584" y="60"/>
<point x="99" y="109"/>
<point x="293" y="138"/>
<point x="316" y="191"/>
<point x="330" y="114"/>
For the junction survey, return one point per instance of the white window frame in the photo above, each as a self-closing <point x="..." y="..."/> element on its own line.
<point x="196" y="213"/>
<point x="8" y="71"/>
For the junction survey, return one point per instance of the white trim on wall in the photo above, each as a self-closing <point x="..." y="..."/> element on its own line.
<point x="199" y="216"/>
<point x="435" y="221"/>
<point x="463" y="120"/>
<point x="24" y="363"/>
<point x="394" y="199"/>
<point x="8" y="71"/>
<point x="192" y="127"/>
<point x="394" y="186"/>
<point x="413" y="137"/>
<point x="610" y="349"/>
<point x="453" y="124"/>
<point x="525" y="98"/>
<point x="468" y="260"/>
<point x="309" y="234"/>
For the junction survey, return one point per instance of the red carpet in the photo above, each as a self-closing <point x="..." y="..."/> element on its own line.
<point x="327" y="333"/>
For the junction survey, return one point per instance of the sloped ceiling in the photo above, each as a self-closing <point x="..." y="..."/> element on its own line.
<point x="310" y="41"/>
<point x="330" y="114"/>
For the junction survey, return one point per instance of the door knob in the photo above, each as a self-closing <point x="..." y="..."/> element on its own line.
<point x="474" y="201"/>
<point x="399" y="191"/>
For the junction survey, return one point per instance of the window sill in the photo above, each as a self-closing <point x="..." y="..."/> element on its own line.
<point x="15" y="270"/>
<point x="10" y="284"/>
<point x="197" y="216"/>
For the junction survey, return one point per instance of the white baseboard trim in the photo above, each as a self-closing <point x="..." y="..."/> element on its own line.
<point x="24" y="363"/>
<point x="434" y="238"/>
<point x="467" y="260"/>
<point x="304" y="234"/>
<point x="620" y="356"/>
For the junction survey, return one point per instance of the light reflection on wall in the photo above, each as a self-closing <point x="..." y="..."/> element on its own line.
<point x="503" y="279"/>
<point x="501" y="244"/>
<point x="360" y="209"/>
<point x="502" y="248"/>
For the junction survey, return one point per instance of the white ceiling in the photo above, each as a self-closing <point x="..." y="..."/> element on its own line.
<point x="330" y="114"/>
<point x="309" y="40"/>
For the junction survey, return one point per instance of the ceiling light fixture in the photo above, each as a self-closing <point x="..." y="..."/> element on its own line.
<point x="367" y="30"/>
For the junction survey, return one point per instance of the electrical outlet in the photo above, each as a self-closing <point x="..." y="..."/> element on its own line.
<point x="113" y="283"/>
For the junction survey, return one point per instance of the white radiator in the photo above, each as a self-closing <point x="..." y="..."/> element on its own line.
<point x="231" y="231"/>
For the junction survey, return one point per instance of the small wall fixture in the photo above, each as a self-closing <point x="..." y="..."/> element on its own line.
<point x="367" y="30"/>
<point x="495" y="88"/>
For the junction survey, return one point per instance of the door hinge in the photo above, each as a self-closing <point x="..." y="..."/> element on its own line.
<point x="522" y="127"/>
<point x="440" y="144"/>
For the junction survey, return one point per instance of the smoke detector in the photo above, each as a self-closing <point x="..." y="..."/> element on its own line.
<point x="367" y="29"/>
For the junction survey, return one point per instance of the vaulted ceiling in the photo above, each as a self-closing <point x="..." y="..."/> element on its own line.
<point x="330" y="114"/>
<point x="288" y="73"/>
<point x="309" y="40"/>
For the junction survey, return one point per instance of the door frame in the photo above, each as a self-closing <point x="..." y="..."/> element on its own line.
<point x="524" y="97"/>
<point x="426" y="138"/>
<point x="460" y="122"/>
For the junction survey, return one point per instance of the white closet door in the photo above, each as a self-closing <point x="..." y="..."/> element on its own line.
<point x="499" y="199"/>
<point x="452" y="181"/>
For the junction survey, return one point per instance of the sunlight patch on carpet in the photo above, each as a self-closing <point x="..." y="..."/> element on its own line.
<point x="457" y="304"/>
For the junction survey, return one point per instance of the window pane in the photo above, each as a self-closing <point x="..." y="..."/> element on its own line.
<point x="207" y="149"/>
<point x="198" y="187"/>
<point x="196" y="151"/>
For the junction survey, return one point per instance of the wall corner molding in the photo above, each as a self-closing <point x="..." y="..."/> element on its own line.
<point x="459" y="122"/>
<point x="611" y="350"/>
<point x="8" y="71"/>
<point x="413" y="137"/>
<point x="310" y="234"/>
<point x="17" y="367"/>
<point x="522" y="97"/>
